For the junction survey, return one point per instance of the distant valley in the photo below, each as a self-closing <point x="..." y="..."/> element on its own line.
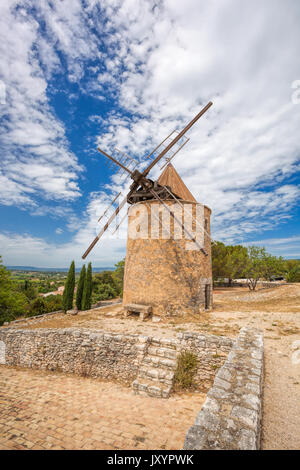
<point x="56" y="270"/>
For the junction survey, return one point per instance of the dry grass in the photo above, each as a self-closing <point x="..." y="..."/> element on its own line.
<point x="285" y="298"/>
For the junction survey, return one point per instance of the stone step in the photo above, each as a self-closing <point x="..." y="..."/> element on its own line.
<point x="158" y="361"/>
<point x="150" y="388"/>
<point x="164" y="343"/>
<point x="156" y="374"/>
<point x="156" y="371"/>
<point x="162" y="352"/>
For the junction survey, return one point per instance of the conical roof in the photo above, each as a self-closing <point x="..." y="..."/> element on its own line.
<point x="171" y="178"/>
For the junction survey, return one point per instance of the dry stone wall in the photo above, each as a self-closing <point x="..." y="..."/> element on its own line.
<point x="231" y="415"/>
<point x="211" y="352"/>
<point x="84" y="352"/>
<point x="111" y="356"/>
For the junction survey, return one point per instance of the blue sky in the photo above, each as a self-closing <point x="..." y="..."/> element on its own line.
<point x="77" y="74"/>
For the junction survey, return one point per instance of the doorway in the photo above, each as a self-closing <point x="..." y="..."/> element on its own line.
<point x="207" y="296"/>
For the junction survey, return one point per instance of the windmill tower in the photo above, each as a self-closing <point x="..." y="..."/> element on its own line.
<point x="168" y="260"/>
<point x="163" y="270"/>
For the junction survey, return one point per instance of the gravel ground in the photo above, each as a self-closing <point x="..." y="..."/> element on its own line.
<point x="281" y="405"/>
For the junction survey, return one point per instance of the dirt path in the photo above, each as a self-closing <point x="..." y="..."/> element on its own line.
<point x="281" y="405"/>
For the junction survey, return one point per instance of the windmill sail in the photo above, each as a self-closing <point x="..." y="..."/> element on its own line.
<point x="142" y="186"/>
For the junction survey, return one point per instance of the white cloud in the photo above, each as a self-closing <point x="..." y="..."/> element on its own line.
<point x="35" y="156"/>
<point x="288" y="247"/>
<point x="234" y="54"/>
<point x="161" y="62"/>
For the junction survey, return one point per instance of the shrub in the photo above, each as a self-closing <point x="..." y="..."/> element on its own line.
<point x="104" y="292"/>
<point x="12" y="302"/>
<point x="185" y="370"/>
<point x="38" y="307"/>
<point x="53" y="303"/>
<point x="294" y="274"/>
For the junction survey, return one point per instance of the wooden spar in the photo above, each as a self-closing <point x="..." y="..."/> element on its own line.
<point x="122" y="220"/>
<point x="148" y="156"/>
<point x="147" y="170"/>
<point x="104" y="228"/>
<point x="115" y="161"/>
<point x="168" y="159"/>
<point x="105" y="212"/>
<point x="141" y="180"/>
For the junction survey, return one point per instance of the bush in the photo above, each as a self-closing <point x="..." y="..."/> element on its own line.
<point x="12" y="302"/>
<point x="38" y="307"/>
<point x="53" y="303"/>
<point x="185" y="370"/>
<point x="293" y="275"/>
<point x="104" y="292"/>
<point x="118" y="276"/>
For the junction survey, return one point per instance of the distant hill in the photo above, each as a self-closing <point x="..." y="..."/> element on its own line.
<point x="55" y="270"/>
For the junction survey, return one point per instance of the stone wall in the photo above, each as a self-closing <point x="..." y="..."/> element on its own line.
<point x="231" y="415"/>
<point x="107" y="355"/>
<point x="84" y="352"/>
<point x="211" y="352"/>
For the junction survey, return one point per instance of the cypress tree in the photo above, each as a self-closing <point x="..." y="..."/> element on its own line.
<point x="87" y="289"/>
<point x="80" y="286"/>
<point x="67" y="301"/>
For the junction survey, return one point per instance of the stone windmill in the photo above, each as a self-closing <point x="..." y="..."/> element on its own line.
<point x="168" y="258"/>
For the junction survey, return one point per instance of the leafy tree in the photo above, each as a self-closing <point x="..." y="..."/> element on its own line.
<point x="108" y="284"/>
<point x="274" y="266"/>
<point x="67" y="302"/>
<point x="80" y="286"/>
<point x="218" y="254"/>
<point x="290" y="264"/>
<point x="12" y="302"/>
<point x="87" y="289"/>
<point x="118" y="276"/>
<point x="293" y="274"/>
<point x="236" y="259"/>
<point x="105" y="292"/>
<point x="261" y="265"/>
<point x="228" y="261"/>
<point x="105" y="277"/>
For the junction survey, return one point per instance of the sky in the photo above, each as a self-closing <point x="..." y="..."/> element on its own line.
<point x="75" y="74"/>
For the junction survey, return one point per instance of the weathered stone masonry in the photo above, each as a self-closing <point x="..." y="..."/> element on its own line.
<point x="84" y="352"/>
<point x="231" y="415"/>
<point x="112" y="356"/>
<point x="164" y="274"/>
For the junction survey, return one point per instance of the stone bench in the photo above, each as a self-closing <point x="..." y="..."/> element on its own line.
<point x="143" y="310"/>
